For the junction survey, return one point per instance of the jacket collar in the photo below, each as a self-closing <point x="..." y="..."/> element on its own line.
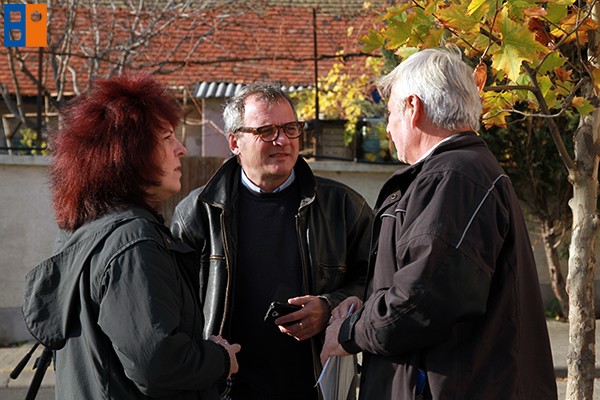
<point x="397" y="181"/>
<point x="92" y="228"/>
<point x="222" y="188"/>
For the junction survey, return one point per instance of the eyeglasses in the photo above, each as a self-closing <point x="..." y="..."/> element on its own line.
<point x="270" y="133"/>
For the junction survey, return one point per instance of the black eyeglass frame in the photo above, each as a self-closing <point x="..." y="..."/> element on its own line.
<point x="261" y="135"/>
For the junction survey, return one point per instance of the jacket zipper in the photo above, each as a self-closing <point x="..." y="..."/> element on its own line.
<point x="305" y="284"/>
<point x="229" y="272"/>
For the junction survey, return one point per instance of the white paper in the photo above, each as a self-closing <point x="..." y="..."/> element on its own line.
<point x="337" y="375"/>
<point x="336" y="378"/>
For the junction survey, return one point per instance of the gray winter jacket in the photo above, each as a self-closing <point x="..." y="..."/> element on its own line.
<point x="117" y="303"/>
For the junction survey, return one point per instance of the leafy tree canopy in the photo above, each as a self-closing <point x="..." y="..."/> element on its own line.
<point x="524" y="52"/>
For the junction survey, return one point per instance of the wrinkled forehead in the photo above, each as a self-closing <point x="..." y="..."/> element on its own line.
<point x="257" y="108"/>
<point x="265" y="101"/>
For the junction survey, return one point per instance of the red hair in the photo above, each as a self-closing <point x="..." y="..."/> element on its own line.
<point x="103" y="154"/>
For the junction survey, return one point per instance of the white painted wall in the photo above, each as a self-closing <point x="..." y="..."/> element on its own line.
<point x="27" y="232"/>
<point x="27" y="227"/>
<point x="214" y="143"/>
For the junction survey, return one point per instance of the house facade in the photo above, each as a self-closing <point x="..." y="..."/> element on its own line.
<point x="203" y="53"/>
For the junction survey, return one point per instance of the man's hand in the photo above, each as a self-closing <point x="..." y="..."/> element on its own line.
<point x="332" y="347"/>
<point x="306" y="323"/>
<point x="342" y="310"/>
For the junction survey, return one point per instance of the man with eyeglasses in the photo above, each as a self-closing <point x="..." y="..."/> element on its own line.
<point x="267" y="229"/>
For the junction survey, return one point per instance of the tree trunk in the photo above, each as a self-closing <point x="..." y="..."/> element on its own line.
<point x="580" y="280"/>
<point x="557" y="279"/>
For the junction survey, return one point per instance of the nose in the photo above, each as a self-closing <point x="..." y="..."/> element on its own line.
<point x="180" y="149"/>
<point x="281" y="136"/>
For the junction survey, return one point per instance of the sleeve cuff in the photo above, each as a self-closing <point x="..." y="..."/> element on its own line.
<point x="222" y="382"/>
<point x="326" y="300"/>
<point x="346" y="334"/>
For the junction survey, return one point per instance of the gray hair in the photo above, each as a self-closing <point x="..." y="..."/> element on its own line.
<point x="443" y="82"/>
<point x="269" y="92"/>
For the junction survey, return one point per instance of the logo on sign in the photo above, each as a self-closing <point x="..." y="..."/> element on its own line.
<point x="25" y="25"/>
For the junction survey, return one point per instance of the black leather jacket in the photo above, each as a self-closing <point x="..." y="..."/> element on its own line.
<point x="333" y="224"/>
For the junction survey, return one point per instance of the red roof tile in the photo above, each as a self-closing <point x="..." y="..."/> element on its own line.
<point x="240" y="46"/>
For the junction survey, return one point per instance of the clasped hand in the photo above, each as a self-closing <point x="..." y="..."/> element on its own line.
<point x="232" y="350"/>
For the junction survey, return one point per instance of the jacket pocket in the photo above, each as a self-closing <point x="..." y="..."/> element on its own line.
<point x="332" y="276"/>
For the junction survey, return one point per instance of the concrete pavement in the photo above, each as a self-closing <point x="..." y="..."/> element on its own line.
<point x="16" y="389"/>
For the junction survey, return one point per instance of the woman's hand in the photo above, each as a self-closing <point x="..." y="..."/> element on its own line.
<point x="232" y="350"/>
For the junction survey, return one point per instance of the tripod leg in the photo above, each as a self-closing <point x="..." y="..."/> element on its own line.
<point x="42" y="364"/>
<point x="17" y="370"/>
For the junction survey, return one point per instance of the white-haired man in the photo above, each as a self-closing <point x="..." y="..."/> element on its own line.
<point x="453" y="307"/>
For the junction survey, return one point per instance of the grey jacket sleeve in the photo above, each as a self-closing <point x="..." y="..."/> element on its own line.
<point x="141" y="313"/>
<point x="433" y="267"/>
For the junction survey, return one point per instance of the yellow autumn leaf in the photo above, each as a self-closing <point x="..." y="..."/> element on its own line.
<point x="583" y="106"/>
<point x="476" y="5"/>
<point x="457" y="17"/>
<point x="517" y="44"/>
<point x="596" y="78"/>
<point x="578" y="101"/>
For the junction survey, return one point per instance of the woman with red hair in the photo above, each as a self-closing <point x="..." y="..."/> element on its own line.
<point x="118" y="300"/>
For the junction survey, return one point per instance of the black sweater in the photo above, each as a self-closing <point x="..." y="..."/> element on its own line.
<point x="269" y="269"/>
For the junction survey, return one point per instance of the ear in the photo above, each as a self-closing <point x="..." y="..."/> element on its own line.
<point x="234" y="147"/>
<point x="416" y="109"/>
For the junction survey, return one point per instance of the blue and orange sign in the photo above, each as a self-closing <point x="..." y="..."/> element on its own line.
<point x="25" y="25"/>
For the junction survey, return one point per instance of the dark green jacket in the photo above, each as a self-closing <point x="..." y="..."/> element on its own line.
<point x="116" y="303"/>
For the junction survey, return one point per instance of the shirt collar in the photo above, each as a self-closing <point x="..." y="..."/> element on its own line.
<point x="428" y="152"/>
<point x="248" y="183"/>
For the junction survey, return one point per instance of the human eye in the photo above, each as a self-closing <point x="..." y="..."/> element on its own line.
<point x="291" y="126"/>
<point x="169" y="136"/>
<point x="267" y="130"/>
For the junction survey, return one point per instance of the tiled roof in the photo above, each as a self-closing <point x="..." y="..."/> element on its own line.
<point x="230" y="46"/>
<point x="227" y="89"/>
<point x="332" y="7"/>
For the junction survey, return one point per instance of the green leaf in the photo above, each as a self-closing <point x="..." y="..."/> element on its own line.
<point x="551" y="62"/>
<point x="585" y="108"/>
<point x="433" y="38"/>
<point x="373" y="41"/>
<point x="457" y="17"/>
<point x="508" y="60"/>
<point x="596" y="77"/>
<point x="494" y="104"/>
<point x="549" y="92"/>
<point x="405" y="52"/>
<point x="545" y="84"/>
<point x="555" y="12"/>
<point x="515" y="8"/>
<point x="396" y="13"/>
<point x="397" y="34"/>
<point x="423" y="26"/>
<point x="563" y="3"/>
<point x="517" y="45"/>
